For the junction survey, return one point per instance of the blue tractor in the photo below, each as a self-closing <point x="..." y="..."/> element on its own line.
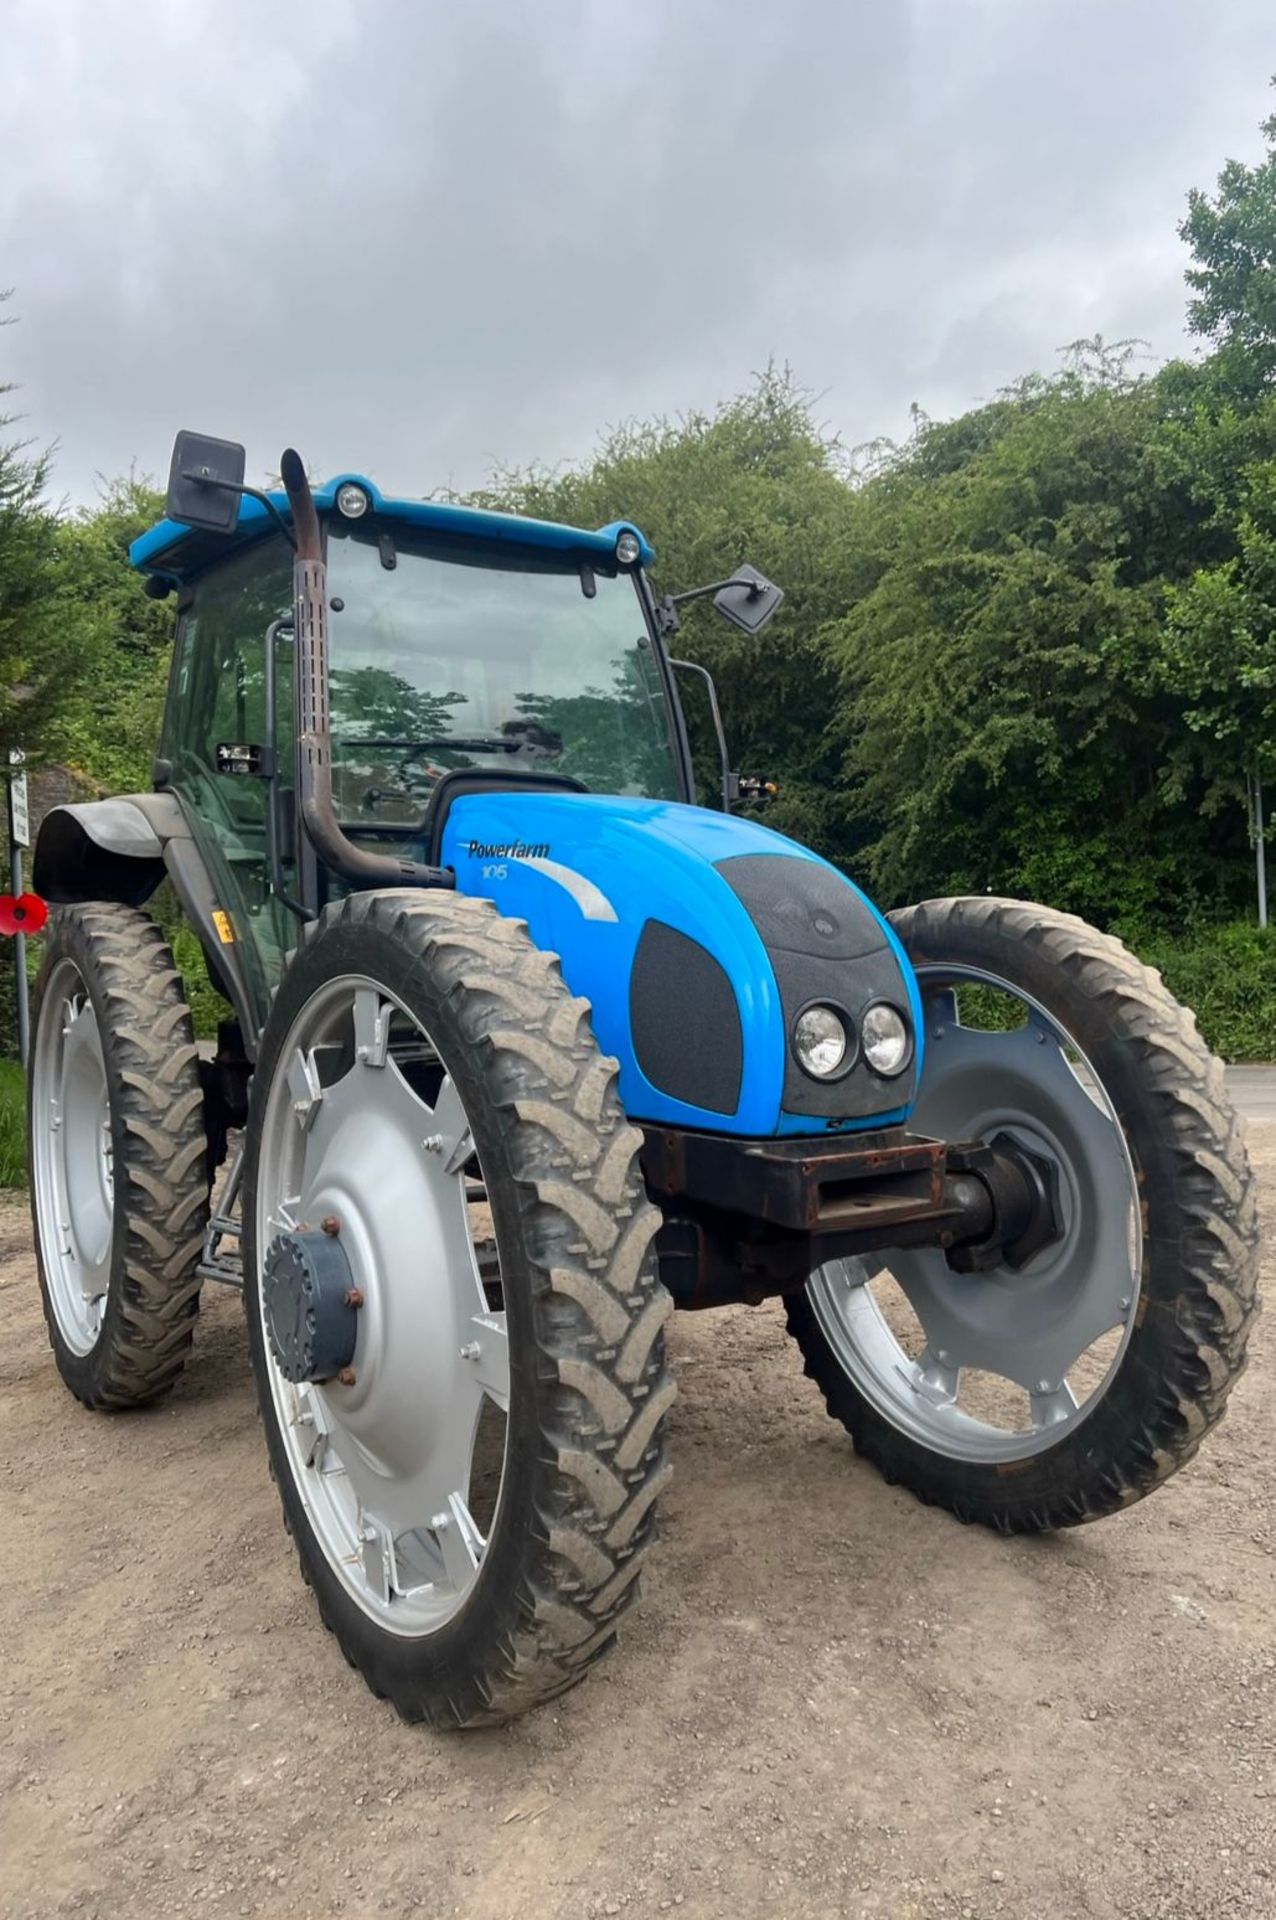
<point x="524" y="1048"/>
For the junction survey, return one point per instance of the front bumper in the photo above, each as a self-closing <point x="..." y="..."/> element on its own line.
<point x="746" y="1219"/>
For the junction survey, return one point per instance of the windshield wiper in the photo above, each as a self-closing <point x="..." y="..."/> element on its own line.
<point x="530" y="735"/>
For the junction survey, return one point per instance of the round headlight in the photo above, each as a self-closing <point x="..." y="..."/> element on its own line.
<point x="628" y="548"/>
<point x="352" y="501"/>
<point x="821" y="1042"/>
<point x="885" y="1039"/>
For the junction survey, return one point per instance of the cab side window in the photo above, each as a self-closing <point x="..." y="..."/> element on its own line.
<point x="218" y="698"/>
<point x="219" y="683"/>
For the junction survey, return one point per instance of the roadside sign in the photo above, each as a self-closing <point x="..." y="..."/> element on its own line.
<point x="19" y="812"/>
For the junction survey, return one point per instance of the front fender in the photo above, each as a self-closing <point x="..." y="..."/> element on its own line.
<point x="102" y="850"/>
<point x="121" y="849"/>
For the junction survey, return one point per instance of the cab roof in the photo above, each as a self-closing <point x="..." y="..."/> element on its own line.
<point x="176" y="552"/>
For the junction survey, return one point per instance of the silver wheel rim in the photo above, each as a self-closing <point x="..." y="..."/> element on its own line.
<point x="1055" y="1331"/>
<point x="72" y="1161"/>
<point x="363" y="1123"/>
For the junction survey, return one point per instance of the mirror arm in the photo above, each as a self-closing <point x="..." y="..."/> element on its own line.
<point x="672" y="601"/>
<point x="728" y="778"/>
<point x="253" y="493"/>
<point x="755" y="588"/>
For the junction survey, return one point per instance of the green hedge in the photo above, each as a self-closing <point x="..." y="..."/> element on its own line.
<point x="13" y="1125"/>
<point x="1227" y="975"/>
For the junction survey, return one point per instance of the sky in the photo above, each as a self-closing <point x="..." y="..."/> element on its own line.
<point x="428" y="239"/>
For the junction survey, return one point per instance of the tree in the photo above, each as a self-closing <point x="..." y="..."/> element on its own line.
<point x="1220" y="635"/>
<point x="1232" y="235"/>
<point x="46" y="655"/>
<point x="1001" y="727"/>
<point x="113" y="731"/>
<point x="754" y="480"/>
<point x="1219" y="656"/>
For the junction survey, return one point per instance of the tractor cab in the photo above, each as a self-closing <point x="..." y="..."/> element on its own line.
<point x="370" y="693"/>
<point x="460" y="642"/>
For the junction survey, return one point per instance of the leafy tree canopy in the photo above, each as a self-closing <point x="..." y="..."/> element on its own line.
<point x="114" y="731"/>
<point x="45" y="657"/>
<point x="1232" y="235"/>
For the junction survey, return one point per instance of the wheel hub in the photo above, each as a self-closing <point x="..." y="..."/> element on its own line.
<point x="311" y="1305"/>
<point x="1023" y="1189"/>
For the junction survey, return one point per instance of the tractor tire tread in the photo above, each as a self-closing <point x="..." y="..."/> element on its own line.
<point x="160" y="1154"/>
<point x="1198" y="1300"/>
<point x="598" y="1307"/>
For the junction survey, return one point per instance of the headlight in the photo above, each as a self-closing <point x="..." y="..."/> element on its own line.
<point x="821" y="1042"/>
<point x="352" y="501"/>
<point x="627" y="548"/>
<point x="885" y="1038"/>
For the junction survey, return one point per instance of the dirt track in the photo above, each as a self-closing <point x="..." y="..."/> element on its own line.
<point x="832" y="1702"/>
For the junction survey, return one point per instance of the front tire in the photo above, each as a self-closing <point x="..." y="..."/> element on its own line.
<point x="1122" y="1076"/>
<point x="117" y="1155"/>
<point x="424" y="1065"/>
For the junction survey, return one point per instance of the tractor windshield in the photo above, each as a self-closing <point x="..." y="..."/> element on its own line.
<point x="450" y="654"/>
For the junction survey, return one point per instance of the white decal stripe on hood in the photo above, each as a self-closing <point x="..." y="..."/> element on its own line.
<point x="591" y="900"/>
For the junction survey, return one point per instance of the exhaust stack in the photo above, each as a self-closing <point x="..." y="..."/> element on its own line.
<point x="314" y="725"/>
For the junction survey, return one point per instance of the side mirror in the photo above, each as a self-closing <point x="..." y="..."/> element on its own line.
<point x="205" y="482"/>
<point x="748" y="599"/>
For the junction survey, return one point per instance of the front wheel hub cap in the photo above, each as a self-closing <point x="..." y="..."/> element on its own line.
<point x="309" y="1296"/>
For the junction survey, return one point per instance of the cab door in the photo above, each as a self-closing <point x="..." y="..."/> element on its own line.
<point x="217" y="745"/>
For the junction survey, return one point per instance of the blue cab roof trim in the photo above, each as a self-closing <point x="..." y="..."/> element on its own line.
<point x="159" y="549"/>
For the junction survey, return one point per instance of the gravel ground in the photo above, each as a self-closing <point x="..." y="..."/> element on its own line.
<point x="832" y="1702"/>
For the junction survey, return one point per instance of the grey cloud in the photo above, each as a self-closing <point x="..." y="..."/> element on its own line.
<point x="423" y="239"/>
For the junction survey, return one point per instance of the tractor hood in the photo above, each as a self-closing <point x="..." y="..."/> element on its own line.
<point x="698" y="938"/>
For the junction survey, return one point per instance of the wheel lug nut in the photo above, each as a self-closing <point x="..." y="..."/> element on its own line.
<point x="354" y="1296"/>
<point x="330" y="1224"/>
<point x="347" y="1376"/>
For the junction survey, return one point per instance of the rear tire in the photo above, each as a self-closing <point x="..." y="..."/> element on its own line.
<point x="117" y="1155"/>
<point x="1196" y="1291"/>
<point x="466" y="992"/>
